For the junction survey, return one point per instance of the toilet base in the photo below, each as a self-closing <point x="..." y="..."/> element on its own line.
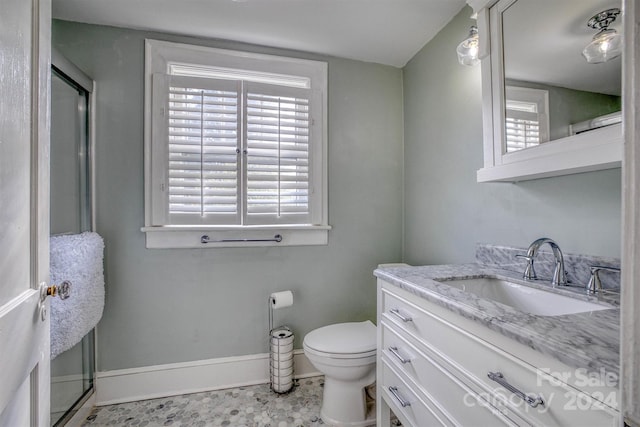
<point x="346" y="407"/>
<point x="369" y="422"/>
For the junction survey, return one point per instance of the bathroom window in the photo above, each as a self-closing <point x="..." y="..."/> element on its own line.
<point x="527" y="118"/>
<point x="235" y="148"/>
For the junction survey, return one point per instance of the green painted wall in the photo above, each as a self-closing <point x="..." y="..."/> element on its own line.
<point x="167" y="306"/>
<point x="446" y="211"/>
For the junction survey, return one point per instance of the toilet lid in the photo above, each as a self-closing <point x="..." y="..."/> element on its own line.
<point x="343" y="338"/>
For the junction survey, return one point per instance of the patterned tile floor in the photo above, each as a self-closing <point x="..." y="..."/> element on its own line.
<point x="254" y="406"/>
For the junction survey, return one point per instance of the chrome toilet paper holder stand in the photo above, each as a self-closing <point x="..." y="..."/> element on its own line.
<point x="271" y="301"/>
<point x="272" y="369"/>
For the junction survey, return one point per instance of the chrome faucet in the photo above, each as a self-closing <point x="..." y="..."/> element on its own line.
<point x="595" y="285"/>
<point x="559" y="275"/>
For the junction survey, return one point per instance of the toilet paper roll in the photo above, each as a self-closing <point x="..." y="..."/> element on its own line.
<point x="282" y="349"/>
<point x="281" y="299"/>
<point x="281" y="342"/>
<point x="281" y="363"/>
<point x="282" y="374"/>
<point x="282" y="387"/>
<point x="282" y="334"/>
<point x="282" y="358"/>
<point x="284" y="381"/>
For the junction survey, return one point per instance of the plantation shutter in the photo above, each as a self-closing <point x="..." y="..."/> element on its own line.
<point x="203" y="126"/>
<point x="526" y="118"/>
<point x="278" y="128"/>
<point x="522" y="130"/>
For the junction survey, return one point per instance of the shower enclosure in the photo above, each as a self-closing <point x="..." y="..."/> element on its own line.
<point x="72" y="372"/>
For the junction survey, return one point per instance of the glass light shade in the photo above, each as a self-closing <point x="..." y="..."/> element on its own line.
<point x="467" y="50"/>
<point x="606" y="45"/>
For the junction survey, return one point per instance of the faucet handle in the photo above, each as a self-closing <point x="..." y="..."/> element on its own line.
<point x="529" y="271"/>
<point x="595" y="285"/>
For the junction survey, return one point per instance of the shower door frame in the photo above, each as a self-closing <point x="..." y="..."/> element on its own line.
<point x="75" y="76"/>
<point x="72" y="73"/>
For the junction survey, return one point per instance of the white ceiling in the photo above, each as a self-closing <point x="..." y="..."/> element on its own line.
<point x="383" y="31"/>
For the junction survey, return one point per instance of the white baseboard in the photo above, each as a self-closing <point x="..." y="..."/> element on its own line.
<point x="149" y="382"/>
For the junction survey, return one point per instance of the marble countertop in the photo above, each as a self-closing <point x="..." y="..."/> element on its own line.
<point x="589" y="340"/>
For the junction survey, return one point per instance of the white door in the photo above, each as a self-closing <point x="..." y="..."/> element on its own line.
<point x="25" y="43"/>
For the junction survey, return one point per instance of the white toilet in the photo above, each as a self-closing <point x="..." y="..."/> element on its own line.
<point x="346" y="354"/>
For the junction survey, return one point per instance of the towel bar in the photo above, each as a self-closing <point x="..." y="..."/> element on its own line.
<point x="205" y="239"/>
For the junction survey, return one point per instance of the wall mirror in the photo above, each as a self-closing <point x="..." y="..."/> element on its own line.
<point x="547" y="111"/>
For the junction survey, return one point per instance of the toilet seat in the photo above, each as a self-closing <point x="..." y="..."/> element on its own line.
<point x="310" y="350"/>
<point x="352" y="340"/>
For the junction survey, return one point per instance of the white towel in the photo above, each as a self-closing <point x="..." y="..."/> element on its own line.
<point x="78" y="259"/>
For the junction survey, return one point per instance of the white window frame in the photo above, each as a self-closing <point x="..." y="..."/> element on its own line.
<point x="162" y="58"/>
<point x="517" y="99"/>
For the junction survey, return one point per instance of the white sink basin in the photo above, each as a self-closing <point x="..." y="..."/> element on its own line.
<point x="524" y="298"/>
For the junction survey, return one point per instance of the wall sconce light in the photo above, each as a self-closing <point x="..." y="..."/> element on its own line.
<point x="607" y="44"/>
<point x="467" y="50"/>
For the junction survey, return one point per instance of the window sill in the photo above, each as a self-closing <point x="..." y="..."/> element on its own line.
<point x="166" y="237"/>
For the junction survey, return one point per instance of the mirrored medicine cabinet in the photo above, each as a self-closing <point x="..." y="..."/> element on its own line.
<point x="546" y="110"/>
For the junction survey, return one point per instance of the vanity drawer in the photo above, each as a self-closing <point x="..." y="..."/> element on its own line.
<point x="460" y="404"/>
<point x="470" y="359"/>
<point x="406" y="315"/>
<point x="411" y="409"/>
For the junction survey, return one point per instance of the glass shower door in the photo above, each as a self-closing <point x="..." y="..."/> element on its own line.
<point x="72" y="372"/>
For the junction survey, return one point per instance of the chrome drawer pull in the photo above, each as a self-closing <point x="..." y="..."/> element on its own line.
<point x="396" y="313"/>
<point x="499" y="378"/>
<point x="403" y="403"/>
<point x="394" y="351"/>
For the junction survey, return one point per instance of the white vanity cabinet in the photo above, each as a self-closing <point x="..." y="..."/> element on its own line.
<point x="433" y="369"/>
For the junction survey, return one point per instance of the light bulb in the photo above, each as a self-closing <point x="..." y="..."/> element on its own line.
<point x="605" y="46"/>
<point x="467" y="50"/>
<point x="607" y="43"/>
<point x="473" y="50"/>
